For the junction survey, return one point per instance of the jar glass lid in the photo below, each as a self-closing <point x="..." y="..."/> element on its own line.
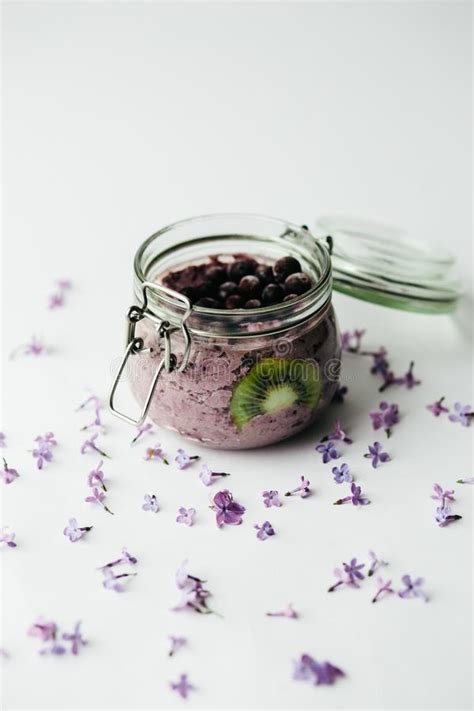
<point x="378" y="263"/>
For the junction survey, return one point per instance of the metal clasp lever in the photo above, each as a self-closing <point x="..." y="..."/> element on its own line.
<point x="136" y="346"/>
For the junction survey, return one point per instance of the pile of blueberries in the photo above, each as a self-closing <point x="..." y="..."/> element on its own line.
<point x="243" y="283"/>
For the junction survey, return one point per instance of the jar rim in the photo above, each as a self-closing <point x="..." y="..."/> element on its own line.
<point x="280" y="233"/>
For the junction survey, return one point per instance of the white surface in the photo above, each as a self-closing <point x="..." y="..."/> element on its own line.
<point x="119" y="118"/>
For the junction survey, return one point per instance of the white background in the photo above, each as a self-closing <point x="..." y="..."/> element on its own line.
<point x="119" y="118"/>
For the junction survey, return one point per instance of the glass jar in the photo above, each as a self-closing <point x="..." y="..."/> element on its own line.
<point x="237" y="379"/>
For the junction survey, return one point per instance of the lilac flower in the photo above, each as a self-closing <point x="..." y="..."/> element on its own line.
<point x="96" y="476"/>
<point x="462" y="414"/>
<point x="356" y="497"/>
<point x="8" y="475"/>
<point x="444" y="516"/>
<point x="193" y="595"/>
<point x="308" y="669"/>
<point x="92" y="399"/>
<point x="90" y="446"/>
<point x="74" y="532"/>
<point x="437" y="407"/>
<point x="413" y="588"/>
<point x="76" y="639"/>
<point x="288" y="612"/>
<point x="337" y="434"/>
<point x="155" y="452"/>
<point x="264" y="531"/>
<point x="469" y="480"/>
<point x="182" y="687"/>
<point x="383" y="587"/>
<point x="386" y="417"/>
<point x="380" y="364"/>
<point x="44" y="631"/>
<point x="183" y="460"/>
<point x="351" y="340"/>
<point x="97" y="497"/>
<point x="375" y="453"/>
<point x="186" y="516"/>
<point x="349" y="575"/>
<point x="207" y="476"/>
<point x="34" y="348"/>
<point x="340" y="394"/>
<point x="271" y="498"/>
<point x="341" y="474"/>
<point x="375" y="564"/>
<point x="7" y="538"/>
<point x="3" y="437"/>
<point x="328" y="450"/>
<point x="151" y="504"/>
<point x="4" y="653"/>
<point x="176" y="644"/>
<point x="125" y="558"/>
<point x="64" y="284"/>
<point x="115" y="582"/>
<point x="441" y="495"/>
<point x="57" y="298"/>
<point x="302" y="490"/>
<point x="96" y="422"/>
<point x="43" y="451"/>
<point x="408" y="379"/>
<point x="141" y="430"/>
<point x="227" y="510"/>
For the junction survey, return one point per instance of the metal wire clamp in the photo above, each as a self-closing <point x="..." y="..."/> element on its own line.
<point x="136" y="346"/>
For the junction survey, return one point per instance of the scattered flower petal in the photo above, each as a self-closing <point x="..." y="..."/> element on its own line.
<point x="176" y="644"/>
<point x="155" y="452"/>
<point x="375" y="564"/>
<point x="7" y="537"/>
<point x="302" y="490"/>
<point x="340" y="394"/>
<point x="182" y="687"/>
<point x="328" y="451"/>
<point x="3" y="442"/>
<point x="141" y="430"/>
<point x="34" y="348"/>
<point x="8" y="475"/>
<point x="151" y="504"/>
<point x="96" y="476"/>
<point x="288" y="612"/>
<point x="207" y="476"/>
<point x="356" y="497"/>
<point x="462" y="414"/>
<point x="337" y="433"/>
<point x="442" y="495"/>
<point x="437" y="407"/>
<point x="74" y="532"/>
<point x="308" y="669"/>
<point x="342" y="474"/>
<point x="193" y="595"/>
<point x="413" y="588"/>
<point x="90" y="446"/>
<point x="349" y="575"/>
<point x="264" y="531"/>
<point x="183" y="460"/>
<point x="375" y="453"/>
<point x="469" y="480"/>
<point x="97" y="497"/>
<point x="227" y="510"/>
<point x="444" y="516"/>
<point x="186" y="516"/>
<point x="271" y="498"/>
<point x="76" y="639"/>
<point x="386" y="417"/>
<point x="383" y="587"/>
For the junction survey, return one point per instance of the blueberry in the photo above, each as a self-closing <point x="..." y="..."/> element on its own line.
<point x="285" y="266"/>
<point x="272" y="294"/>
<point x="191" y="292"/>
<point x="227" y="289"/>
<point x="209" y="303"/>
<point x="215" y="274"/>
<point x="297" y="283"/>
<point x="240" y="268"/>
<point x="249" y="286"/>
<point x="264" y="273"/>
<point x="290" y="297"/>
<point x="234" y="302"/>
<point x="252" y="304"/>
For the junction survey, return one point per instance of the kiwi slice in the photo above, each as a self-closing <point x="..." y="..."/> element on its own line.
<point x="274" y="384"/>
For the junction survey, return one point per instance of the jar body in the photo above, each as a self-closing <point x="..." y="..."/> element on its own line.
<point x="198" y="402"/>
<point x="238" y="378"/>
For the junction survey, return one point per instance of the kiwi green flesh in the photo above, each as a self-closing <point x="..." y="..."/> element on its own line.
<point x="272" y="385"/>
